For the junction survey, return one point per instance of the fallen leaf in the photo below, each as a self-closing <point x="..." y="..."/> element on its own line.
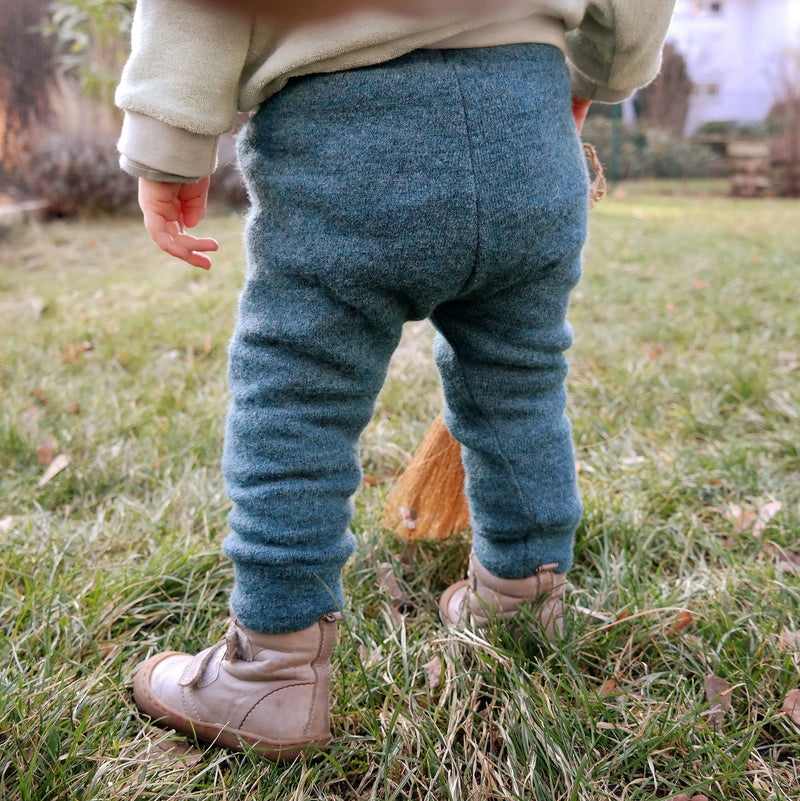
<point x="787" y="561"/>
<point x="699" y="284"/>
<point x="791" y="706"/>
<point x="30" y="414"/>
<point x="39" y="395"/>
<point x="789" y="640"/>
<point x="765" y="514"/>
<point x="609" y="685"/>
<point x="71" y="352"/>
<point x="433" y="670"/>
<point x="175" y="750"/>
<point x="718" y="694"/>
<point x="681" y="622"/>
<point x="742" y="519"/>
<point x="46" y="451"/>
<point x="388" y="582"/>
<point x="54" y="468"/>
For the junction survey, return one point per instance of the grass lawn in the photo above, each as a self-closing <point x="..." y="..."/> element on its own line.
<point x="685" y="399"/>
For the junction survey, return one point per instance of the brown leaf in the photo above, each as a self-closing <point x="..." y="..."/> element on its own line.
<point x="609" y="685"/>
<point x="789" y="640"/>
<point x="433" y="670"/>
<point x="742" y="519"/>
<point x="72" y="351"/>
<point x="177" y="750"/>
<point x="388" y="582"/>
<point x="46" y="451"/>
<point x="39" y="395"/>
<point x="681" y="622"/>
<point x="787" y="561"/>
<point x="791" y="706"/>
<point x="55" y="467"/>
<point x="718" y="693"/>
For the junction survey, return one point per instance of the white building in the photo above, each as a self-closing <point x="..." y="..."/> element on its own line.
<point x="736" y="53"/>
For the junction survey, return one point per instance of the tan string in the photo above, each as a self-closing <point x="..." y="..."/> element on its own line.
<point x="597" y="191"/>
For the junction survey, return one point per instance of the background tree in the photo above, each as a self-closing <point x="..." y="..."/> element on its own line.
<point x="27" y="73"/>
<point x="664" y="104"/>
<point x="785" y="118"/>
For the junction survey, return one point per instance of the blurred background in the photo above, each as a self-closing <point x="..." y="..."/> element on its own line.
<point x="725" y="107"/>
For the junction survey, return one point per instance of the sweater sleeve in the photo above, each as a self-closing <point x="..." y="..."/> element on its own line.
<point x="617" y="47"/>
<point x="179" y="88"/>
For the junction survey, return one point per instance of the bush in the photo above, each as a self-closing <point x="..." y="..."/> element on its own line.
<point x="651" y="153"/>
<point x="79" y="175"/>
<point x="76" y="176"/>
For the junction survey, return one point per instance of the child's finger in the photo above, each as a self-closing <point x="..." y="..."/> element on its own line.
<point x="188" y="248"/>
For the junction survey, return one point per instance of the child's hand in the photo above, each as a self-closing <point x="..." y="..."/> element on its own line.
<point x="167" y="209"/>
<point x="580" y="108"/>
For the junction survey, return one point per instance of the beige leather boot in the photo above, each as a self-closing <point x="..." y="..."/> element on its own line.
<point x="270" y="692"/>
<point x="482" y="597"/>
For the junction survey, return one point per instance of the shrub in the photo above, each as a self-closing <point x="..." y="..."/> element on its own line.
<point x="76" y="175"/>
<point x="651" y="153"/>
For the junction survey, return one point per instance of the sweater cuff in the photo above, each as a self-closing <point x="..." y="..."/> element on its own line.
<point x="152" y="149"/>
<point x="589" y="90"/>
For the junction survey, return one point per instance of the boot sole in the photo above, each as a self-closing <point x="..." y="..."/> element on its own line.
<point x="444" y="602"/>
<point x="213" y="733"/>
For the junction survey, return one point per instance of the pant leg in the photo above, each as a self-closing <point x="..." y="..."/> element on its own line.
<point x="502" y="339"/>
<point x="303" y="382"/>
<point x="362" y="218"/>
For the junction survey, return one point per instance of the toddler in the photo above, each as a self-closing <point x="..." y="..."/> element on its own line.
<point x="399" y="167"/>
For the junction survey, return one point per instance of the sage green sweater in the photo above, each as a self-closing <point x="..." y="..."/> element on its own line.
<point x="193" y="67"/>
